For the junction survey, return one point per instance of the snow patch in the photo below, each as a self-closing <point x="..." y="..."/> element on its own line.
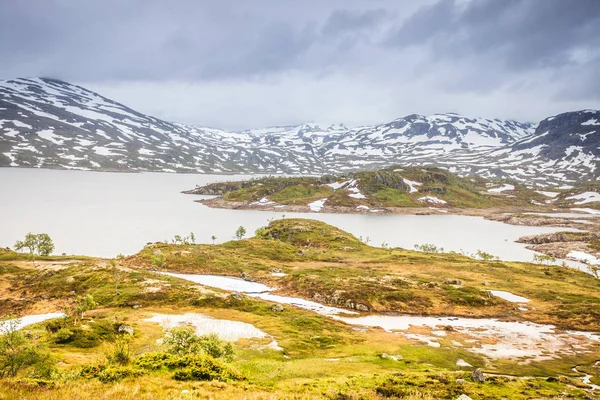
<point x="584" y="198"/>
<point x="432" y="199"/>
<point x="317" y="205"/>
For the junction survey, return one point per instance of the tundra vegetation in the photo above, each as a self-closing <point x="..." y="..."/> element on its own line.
<point x="114" y="352"/>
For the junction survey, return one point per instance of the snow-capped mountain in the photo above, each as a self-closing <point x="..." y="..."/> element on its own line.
<point x="52" y="124"/>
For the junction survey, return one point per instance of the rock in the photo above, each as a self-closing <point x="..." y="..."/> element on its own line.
<point x="277" y="308"/>
<point x="237" y="296"/>
<point x="432" y="284"/>
<point x="361" y="307"/>
<point x="125" y="329"/>
<point x="45" y="297"/>
<point x="319" y="298"/>
<point x="72" y="293"/>
<point x="157" y="252"/>
<point x="463" y="397"/>
<point x="246" y="277"/>
<point x="478" y="376"/>
<point x="486" y="284"/>
<point x="386" y="356"/>
<point x="449" y="328"/>
<point x="460" y="381"/>
<point x="452" y="281"/>
<point x="136" y="306"/>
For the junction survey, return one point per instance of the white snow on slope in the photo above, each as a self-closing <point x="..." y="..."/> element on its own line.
<point x="412" y="185"/>
<point x="317" y="205"/>
<point x="513" y="298"/>
<point x="502" y="188"/>
<point x="583" y="257"/>
<point x="584" y="198"/>
<point x="432" y="199"/>
<point x="204" y="325"/>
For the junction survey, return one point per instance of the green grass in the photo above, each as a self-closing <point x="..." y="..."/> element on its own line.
<point x="327" y="358"/>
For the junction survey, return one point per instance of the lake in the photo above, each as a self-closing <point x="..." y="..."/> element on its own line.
<point x="104" y="214"/>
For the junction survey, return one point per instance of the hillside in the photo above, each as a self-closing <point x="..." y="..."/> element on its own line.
<point x="452" y="316"/>
<point x="375" y="191"/>
<point x="46" y="123"/>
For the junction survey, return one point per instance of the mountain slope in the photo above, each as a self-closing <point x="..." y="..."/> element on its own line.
<point x="48" y="123"/>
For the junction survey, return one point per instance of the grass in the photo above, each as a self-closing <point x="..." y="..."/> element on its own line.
<point x="382" y="188"/>
<point x="323" y="358"/>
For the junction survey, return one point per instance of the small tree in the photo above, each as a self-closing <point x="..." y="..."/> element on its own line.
<point x="213" y="237"/>
<point x="115" y="269"/>
<point x="158" y="260"/>
<point x="240" y="233"/>
<point x="84" y="304"/>
<point x="40" y="244"/>
<point x="16" y="352"/>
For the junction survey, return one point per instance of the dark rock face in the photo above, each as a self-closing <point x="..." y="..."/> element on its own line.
<point x="47" y="123"/>
<point x="566" y="134"/>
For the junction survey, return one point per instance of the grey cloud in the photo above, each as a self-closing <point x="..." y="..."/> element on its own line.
<point x="400" y="57"/>
<point x="519" y="33"/>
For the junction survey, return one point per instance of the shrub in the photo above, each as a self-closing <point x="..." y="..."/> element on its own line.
<point x="116" y="373"/>
<point x="188" y="367"/>
<point x="63" y="335"/>
<point x="120" y="353"/>
<point x="183" y="340"/>
<point x="17" y="353"/>
<point x="429" y="248"/>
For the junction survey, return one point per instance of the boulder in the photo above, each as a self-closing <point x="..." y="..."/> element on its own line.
<point x="237" y="296"/>
<point x="277" y="308"/>
<point x="361" y="307"/>
<point x="463" y="397"/>
<point x="478" y="376"/>
<point x="125" y="329"/>
<point x="450" y="281"/>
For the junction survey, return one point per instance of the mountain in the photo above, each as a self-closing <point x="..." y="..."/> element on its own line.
<point x="47" y="123"/>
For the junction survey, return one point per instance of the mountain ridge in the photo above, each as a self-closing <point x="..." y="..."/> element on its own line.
<point x="48" y="123"/>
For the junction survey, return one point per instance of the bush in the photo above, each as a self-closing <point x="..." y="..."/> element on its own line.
<point x="63" y="335"/>
<point x="120" y="353"/>
<point x="183" y="340"/>
<point x="116" y="373"/>
<point x="188" y="367"/>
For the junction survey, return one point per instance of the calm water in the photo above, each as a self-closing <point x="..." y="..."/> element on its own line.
<point x="104" y="214"/>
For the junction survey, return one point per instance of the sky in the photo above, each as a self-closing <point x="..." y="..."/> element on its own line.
<point x="236" y="64"/>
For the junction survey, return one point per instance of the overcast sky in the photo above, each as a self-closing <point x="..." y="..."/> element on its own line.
<point x="241" y="64"/>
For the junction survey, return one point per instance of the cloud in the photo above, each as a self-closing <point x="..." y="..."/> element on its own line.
<point x="265" y="62"/>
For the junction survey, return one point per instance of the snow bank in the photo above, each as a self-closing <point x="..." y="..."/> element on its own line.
<point x="432" y="199"/>
<point x="584" y="198"/>
<point x="501" y="189"/>
<point x="318" y="205"/>
<point x="33" y="319"/>
<point x="513" y="298"/>
<point x="204" y="325"/>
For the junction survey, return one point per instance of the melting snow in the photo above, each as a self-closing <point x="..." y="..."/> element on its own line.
<point x="513" y="298"/>
<point x="501" y="189"/>
<point x="547" y="194"/>
<point x="584" y="198"/>
<point x="432" y="199"/>
<point x="583" y="257"/>
<point x="32" y="319"/>
<point x="499" y="339"/>
<point x="204" y="325"/>
<point x="412" y="185"/>
<point x="317" y="205"/>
